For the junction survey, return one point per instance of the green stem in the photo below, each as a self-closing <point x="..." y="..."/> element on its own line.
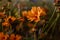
<point x="2" y="29"/>
<point x="50" y="19"/>
<point x="43" y="27"/>
<point x="10" y="29"/>
<point x="9" y="13"/>
<point x="21" y="26"/>
<point x="35" y="24"/>
<point x="53" y="22"/>
<point x="53" y="28"/>
<point x="35" y="38"/>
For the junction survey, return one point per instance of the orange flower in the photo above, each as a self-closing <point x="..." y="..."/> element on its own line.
<point x="2" y="15"/>
<point x="1" y="35"/>
<point x="7" y="18"/>
<point x="18" y="37"/>
<point x="34" y="14"/>
<point x="10" y="18"/>
<point x="5" y="24"/>
<point x="13" y="19"/>
<point x="30" y="16"/>
<point x="41" y="11"/>
<point x="24" y="13"/>
<point x="34" y="9"/>
<point x="12" y="37"/>
<point x="5" y="37"/>
<point x="21" y="19"/>
<point x="37" y="19"/>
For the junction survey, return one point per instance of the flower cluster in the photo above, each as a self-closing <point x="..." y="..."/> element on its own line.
<point x="9" y="37"/>
<point x="34" y="14"/>
<point x="8" y="20"/>
<point x="20" y="25"/>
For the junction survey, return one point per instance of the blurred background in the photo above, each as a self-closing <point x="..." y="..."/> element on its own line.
<point x="17" y="6"/>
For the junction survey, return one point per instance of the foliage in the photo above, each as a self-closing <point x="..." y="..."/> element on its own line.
<point x="29" y="20"/>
